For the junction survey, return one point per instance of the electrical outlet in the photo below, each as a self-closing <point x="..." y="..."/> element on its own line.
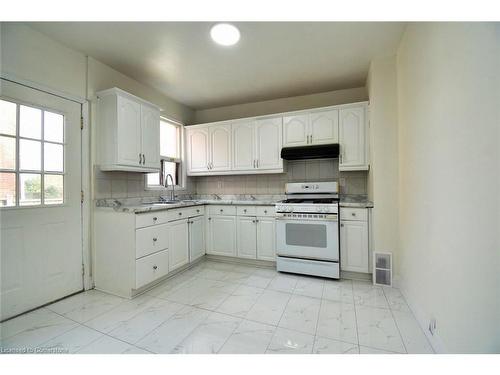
<point x="432" y="326"/>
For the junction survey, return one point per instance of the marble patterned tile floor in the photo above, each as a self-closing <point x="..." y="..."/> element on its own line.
<point x="217" y="307"/>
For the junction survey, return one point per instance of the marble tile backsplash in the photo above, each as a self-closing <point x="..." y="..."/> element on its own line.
<point x="297" y="171"/>
<point x="132" y="185"/>
<point x="127" y="185"/>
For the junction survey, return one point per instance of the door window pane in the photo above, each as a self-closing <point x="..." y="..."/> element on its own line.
<point x="53" y="159"/>
<point x="7" y="117"/>
<point x="30" y="155"/>
<point x="30" y="122"/>
<point x="7" y="153"/>
<point x="29" y="189"/>
<point x="53" y="189"/>
<point x="7" y="189"/>
<point x="53" y="127"/>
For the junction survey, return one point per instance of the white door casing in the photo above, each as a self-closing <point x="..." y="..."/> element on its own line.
<point x="41" y="247"/>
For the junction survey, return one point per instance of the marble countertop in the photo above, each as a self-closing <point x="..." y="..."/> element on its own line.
<point x="357" y="201"/>
<point x="140" y="207"/>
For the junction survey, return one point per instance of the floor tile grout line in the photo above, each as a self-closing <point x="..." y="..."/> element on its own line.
<point x="277" y="325"/>
<point x="396" y="323"/>
<point x="355" y="315"/>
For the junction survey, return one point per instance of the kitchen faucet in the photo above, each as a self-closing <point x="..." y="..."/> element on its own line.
<point x="172" y="193"/>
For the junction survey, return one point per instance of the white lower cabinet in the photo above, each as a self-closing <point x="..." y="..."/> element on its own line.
<point x="266" y="238"/>
<point x="196" y="237"/>
<point x="222" y="235"/>
<point x="247" y="239"/>
<point x="151" y="267"/>
<point x="179" y="244"/>
<point x="354" y="250"/>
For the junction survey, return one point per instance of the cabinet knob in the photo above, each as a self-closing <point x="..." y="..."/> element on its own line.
<point x="180" y="213"/>
<point x="221" y="210"/>
<point x="245" y="210"/>
<point x="341" y="225"/>
<point x="155" y="218"/>
<point x="209" y="218"/>
<point x="265" y="211"/>
<point x="198" y="211"/>
<point x="155" y="239"/>
<point x="155" y="267"/>
<point x="353" y="214"/>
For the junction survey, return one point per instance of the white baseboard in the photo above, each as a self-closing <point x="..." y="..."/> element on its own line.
<point x="422" y="319"/>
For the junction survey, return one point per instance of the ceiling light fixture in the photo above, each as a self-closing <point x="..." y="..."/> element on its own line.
<point x="225" y="34"/>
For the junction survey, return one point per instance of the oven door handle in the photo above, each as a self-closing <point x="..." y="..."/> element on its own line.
<point x="304" y="219"/>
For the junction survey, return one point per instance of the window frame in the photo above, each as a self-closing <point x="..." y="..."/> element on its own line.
<point x="182" y="172"/>
<point x="42" y="172"/>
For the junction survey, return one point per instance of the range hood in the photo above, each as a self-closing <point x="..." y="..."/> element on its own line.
<point x="329" y="151"/>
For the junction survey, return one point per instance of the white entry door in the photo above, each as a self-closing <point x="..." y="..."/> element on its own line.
<point x="40" y="203"/>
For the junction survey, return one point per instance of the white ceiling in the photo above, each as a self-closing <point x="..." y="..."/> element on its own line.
<point x="272" y="59"/>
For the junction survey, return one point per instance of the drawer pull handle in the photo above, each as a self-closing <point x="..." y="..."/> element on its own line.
<point x="180" y="213"/>
<point x="353" y="214"/>
<point x="155" y="218"/>
<point x="155" y="239"/>
<point x="265" y="211"/>
<point x="155" y="267"/>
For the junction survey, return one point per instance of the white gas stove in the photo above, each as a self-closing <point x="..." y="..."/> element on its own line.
<point x="307" y="229"/>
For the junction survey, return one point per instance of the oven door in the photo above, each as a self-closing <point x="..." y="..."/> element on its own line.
<point x="307" y="237"/>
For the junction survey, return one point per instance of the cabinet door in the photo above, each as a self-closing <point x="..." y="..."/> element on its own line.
<point x="150" y="125"/>
<point x="268" y="136"/>
<point x="247" y="237"/>
<point x="354" y="246"/>
<point x="197" y="149"/>
<point x="222" y="235"/>
<point x="179" y="244"/>
<point x="324" y="127"/>
<point x="243" y="145"/>
<point x="266" y="238"/>
<point x="196" y="237"/>
<point x="295" y="130"/>
<point x="220" y="147"/>
<point x="352" y="137"/>
<point x="129" y="132"/>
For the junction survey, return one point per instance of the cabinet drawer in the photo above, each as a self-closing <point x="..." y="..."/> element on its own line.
<point x="149" y="240"/>
<point x="150" y="268"/>
<point x="195" y="211"/>
<point x="222" y="210"/>
<point x="150" y="218"/>
<point x="357" y="214"/>
<point x="246" y="210"/>
<point x="265" y="211"/>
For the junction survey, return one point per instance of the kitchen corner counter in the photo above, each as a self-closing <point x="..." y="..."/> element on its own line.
<point x="139" y="207"/>
<point x="358" y="201"/>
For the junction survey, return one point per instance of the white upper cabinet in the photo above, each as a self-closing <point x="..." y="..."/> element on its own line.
<point x="295" y="130"/>
<point x="324" y="127"/>
<point x="268" y="136"/>
<point x="150" y="136"/>
<point x="197" y="149"/>
<point x="220" y="147"/>
<point x="243" y="145"/>
<point x="128" y="132"/>
<point x="353" y="139"/>
<point x="314" y="128"/>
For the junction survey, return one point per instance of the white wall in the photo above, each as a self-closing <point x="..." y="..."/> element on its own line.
<point x="448" y="94"/>
<point x="294" y="103"/>
<point x="383" y="175"/>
